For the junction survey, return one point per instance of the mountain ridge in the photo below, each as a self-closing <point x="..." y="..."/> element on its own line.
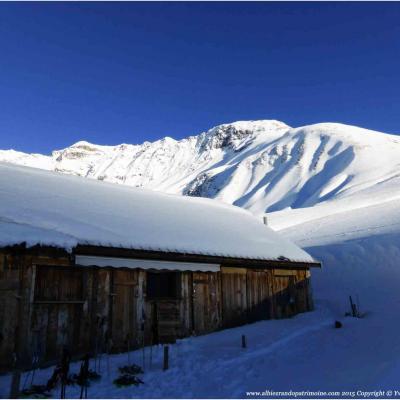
<point x="263" y="166"/>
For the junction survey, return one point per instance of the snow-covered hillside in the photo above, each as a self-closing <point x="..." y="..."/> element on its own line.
<point x="259" y="165"/>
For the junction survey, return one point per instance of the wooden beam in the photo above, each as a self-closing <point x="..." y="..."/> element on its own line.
<point x="233" y="270"/>
<point x="186" y="257"/>
<point x="157" y="255"/>
<point x="59" y="302"/>
<point x="284" y="272"/>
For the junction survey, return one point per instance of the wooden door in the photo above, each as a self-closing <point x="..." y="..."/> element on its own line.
<point x="125" y="317"/>
<point x="168" y="320"/>
<point x="234" y="295"/>
<point x="302" y="292"/>
<point x="284" y="293"/>
<point x="58" y="318"/>
<point x="9" y="310"/>
<point x="206" y="302"/>
<point x="259" y="294"/>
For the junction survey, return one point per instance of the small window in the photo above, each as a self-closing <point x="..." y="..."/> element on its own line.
<point x="163" y="285"/>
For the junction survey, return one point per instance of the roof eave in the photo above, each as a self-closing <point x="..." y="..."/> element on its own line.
<point x="191" y="257"/>
<point x="163" y="255"/>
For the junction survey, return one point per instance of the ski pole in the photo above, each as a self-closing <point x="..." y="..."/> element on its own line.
<point x="129" y="348"/>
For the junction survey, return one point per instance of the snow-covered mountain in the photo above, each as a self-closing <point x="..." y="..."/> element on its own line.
<point x="263" y="166"/>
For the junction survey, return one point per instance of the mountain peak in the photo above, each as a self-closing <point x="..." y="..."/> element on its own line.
<point x="253" y="125"/>
<point x="83" y="144"/>
<point x="237" y="134"/>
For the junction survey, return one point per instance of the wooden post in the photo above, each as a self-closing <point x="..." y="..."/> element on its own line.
<point x="15" y="382"/>
<point x="31" y="305"/>
<point x="353" y="307"/>
<point x="244" y="344"/>
<point x="128" y="339"/>
<point x="165" y="366"/>
<point x="151" y="349"/>
<point x="16" y="376"/>
<point x="143" y="354"/>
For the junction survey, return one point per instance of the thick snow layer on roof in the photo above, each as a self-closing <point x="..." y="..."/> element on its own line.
<point x="41" y="207"/>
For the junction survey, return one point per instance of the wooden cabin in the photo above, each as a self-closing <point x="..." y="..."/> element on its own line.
<point x="106" y="268"/>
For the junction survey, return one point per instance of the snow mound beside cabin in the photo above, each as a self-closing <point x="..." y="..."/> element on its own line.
<point x="41" y="207"/>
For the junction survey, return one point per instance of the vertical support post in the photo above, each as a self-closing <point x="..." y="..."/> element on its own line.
<point x="16" y="376"/>
<point x="143" y="341"/>
<point x="15" y="382"/>
<point x="31" y="300"/>
<point x="111" y="304"/>
<point x="244" y="343"/>
<point x="128" y="344"/>
<point x="143" y="354"/>
<point x="166" y="356"/>
<point x="310" y="302"/>
<point x="353" y="308"/>
<point x="151" y="349"/>
<point x="192" y="299"/>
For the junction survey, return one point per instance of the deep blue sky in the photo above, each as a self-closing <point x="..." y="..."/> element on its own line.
<point x="128" y="72"/>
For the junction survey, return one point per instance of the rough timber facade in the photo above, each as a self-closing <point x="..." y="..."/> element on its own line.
<point x="48" y="300"/>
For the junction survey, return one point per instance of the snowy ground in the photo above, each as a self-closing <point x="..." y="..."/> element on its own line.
<point x="216" y="366"/>
<point x="303" y="353"/>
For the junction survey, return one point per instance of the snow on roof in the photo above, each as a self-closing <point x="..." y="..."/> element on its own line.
<point x="47" y="208"/>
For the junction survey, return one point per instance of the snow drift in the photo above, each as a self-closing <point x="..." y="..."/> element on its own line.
<point x="41" y="207"/>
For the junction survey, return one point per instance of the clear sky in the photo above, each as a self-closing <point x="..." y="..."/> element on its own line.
<point x="127" y="72"/>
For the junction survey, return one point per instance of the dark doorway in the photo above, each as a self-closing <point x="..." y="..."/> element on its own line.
<point x="163" y="285"/>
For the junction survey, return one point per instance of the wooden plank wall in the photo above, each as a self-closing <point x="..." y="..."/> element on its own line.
<point x="234" y="295"/>
<point x="291" y="292"/>
<point x="17" y="287"/>
<point x="259" y="295"/>
<point x="9" y="292"/>
<point x="45" y="304"/>
<point x="69" y="308"/>
<point x="251" y="295"/>
<point x="206" y="302"/>
<point x="186" y="309"/>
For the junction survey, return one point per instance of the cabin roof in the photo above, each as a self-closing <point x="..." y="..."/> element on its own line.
<point x="50" y="209"/>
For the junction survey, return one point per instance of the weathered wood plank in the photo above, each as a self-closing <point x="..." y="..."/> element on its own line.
<point x="186" y="318"/>
<point x="168" y="320"/>
<point x="285" y="272"/>
<point x="234" y="296"/>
